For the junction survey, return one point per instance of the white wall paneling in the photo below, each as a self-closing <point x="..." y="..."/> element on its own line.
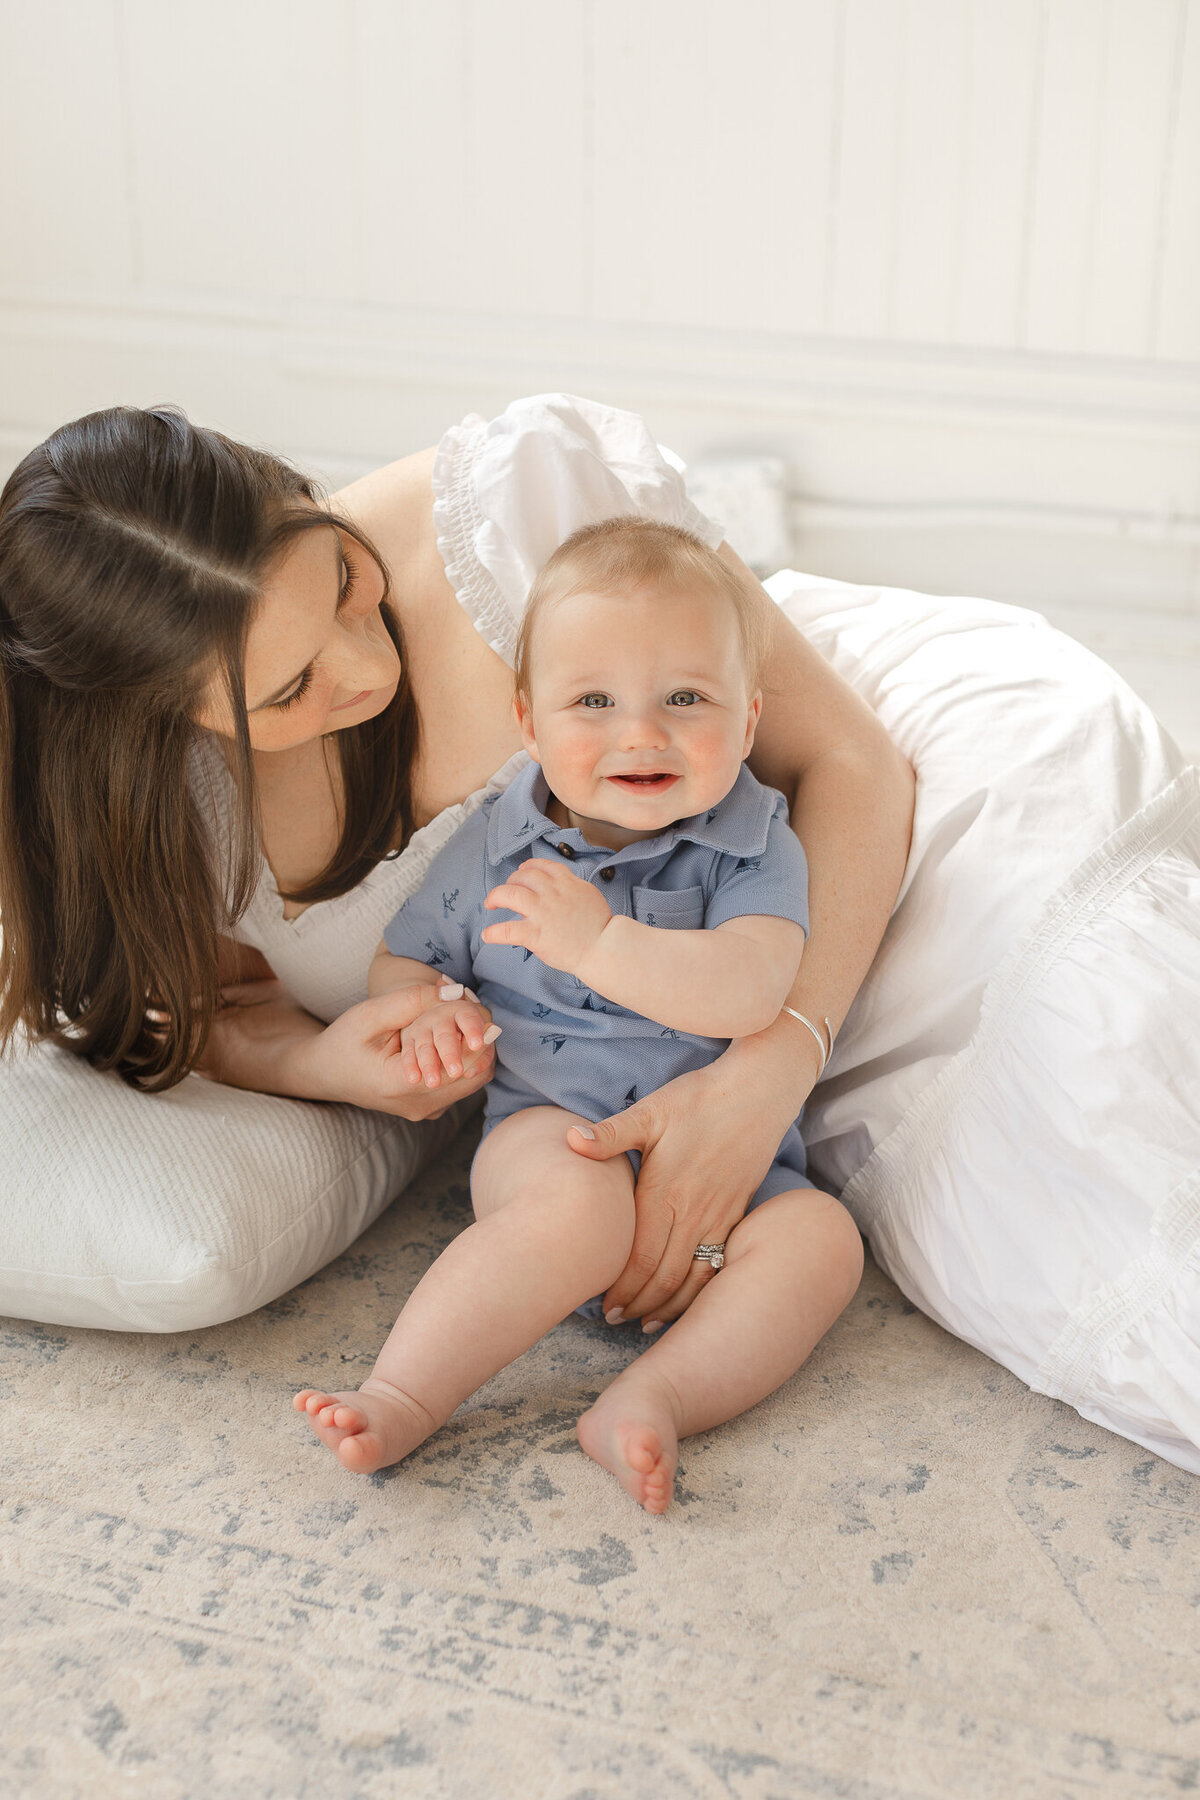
<point x="66" y="219"/>
<point x="942" y="256"/>
<point x="1177" y="311"/>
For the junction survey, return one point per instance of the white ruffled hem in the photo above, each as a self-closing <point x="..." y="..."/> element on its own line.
<point x="458" y="522"/>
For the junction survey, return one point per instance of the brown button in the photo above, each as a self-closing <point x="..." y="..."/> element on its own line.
<point x="607" y="874"/>
<point x="565" y="850"/>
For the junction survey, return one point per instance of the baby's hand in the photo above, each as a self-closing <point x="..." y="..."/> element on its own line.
<point x="436" y="1041"/>
<point x="561" y="916"/>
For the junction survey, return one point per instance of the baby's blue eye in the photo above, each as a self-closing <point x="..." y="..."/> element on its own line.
<point x="684" y="697"/>
<point x="602" y="699"/>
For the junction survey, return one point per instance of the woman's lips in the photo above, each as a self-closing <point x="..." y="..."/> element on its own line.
<point x="343" y="704"/>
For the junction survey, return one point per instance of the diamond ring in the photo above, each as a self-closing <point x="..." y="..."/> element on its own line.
<point x="712" y="1254"/>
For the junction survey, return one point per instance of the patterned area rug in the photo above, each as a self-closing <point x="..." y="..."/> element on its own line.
<point x="903" y="1577"/>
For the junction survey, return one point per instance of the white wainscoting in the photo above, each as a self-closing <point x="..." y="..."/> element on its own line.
<point x="941" y="256"/>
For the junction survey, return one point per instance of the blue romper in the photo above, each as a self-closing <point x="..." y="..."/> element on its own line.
<point x="562" y="1044"/>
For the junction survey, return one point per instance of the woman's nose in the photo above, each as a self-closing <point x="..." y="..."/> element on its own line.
<point x="361" y="657"/>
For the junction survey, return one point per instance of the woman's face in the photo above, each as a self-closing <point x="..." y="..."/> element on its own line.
<point x="318" y="655"/>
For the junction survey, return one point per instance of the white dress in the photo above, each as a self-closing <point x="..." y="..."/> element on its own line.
<point x="506" y="494"/>
<point x="1013" y="1108"/>
<point x="173" y="1211"/>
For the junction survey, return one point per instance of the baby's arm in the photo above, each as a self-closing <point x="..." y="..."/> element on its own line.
<point x="729" y="981"/>
<point x="388" y="972"/>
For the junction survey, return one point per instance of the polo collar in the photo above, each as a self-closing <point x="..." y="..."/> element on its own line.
<point x="736" y="826"/>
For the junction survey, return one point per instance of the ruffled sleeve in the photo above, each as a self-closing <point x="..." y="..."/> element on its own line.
<point x="506" y="492"/>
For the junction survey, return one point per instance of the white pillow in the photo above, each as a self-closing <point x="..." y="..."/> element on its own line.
<point x="1011" y="1108"/>
<point x="1012" y="1111"/>
<point x="167" y="1212"/>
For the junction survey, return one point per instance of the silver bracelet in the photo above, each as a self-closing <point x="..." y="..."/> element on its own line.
<point x="825" y="1054"/>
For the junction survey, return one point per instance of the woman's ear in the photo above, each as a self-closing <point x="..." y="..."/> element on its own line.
<point x="752" y="715"/>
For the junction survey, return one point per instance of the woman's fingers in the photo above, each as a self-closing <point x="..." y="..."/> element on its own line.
<point x="667" y="1280"/>
<point x="628" y="1130"/>
<point x="662" y="1312"/>
<point x="394" y="1010"/>
<point x="652" y="1234"/>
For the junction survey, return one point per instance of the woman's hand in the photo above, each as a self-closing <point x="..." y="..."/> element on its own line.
<point x="261" y="1039"/>
<point x="707" y="1140"/>
<point x="440" y="1042"/>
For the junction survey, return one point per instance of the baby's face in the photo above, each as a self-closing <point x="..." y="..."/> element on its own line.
<point x="640" y="712"/>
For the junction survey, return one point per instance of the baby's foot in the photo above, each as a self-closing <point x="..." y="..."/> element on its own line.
<point x="632" y="1431"/>
<point x="369" y="1429"/>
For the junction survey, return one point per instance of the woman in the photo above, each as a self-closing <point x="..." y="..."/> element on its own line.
<point x="184" y="627"/>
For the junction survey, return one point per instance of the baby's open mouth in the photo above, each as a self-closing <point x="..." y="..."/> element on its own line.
<point x="645" y="783"/>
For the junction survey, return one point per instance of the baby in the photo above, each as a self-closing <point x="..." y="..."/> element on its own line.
<point x="647" y="902"/>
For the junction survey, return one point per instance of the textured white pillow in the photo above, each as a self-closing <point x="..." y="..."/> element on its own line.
<point x="1011" y="1109"/>
<point x="1012" y="1112"/>
<point x="166" y="1212"/>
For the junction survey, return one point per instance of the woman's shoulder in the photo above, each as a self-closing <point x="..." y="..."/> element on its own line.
<point x="495" y="497"/>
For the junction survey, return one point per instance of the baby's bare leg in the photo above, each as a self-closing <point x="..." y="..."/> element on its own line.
<point x="551" y="1229"/>
<point x="791" y="1266"/>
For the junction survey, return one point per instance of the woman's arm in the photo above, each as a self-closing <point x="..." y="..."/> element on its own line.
<point x="261" y="1039"/>
<point x="850" y="795"/>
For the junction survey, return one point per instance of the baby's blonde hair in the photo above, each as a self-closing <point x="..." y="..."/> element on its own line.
<point x="620" y="555"/>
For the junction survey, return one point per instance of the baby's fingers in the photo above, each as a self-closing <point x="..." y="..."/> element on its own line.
<point x="448" y="1041"/>
<point x="512" y="896"/>
<point x="473" y="1022"/>
<point x="430" y="1059"/>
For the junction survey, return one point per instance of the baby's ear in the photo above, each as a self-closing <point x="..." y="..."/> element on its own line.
<point x="523" y="713"/>
<point x="753" y="710"/>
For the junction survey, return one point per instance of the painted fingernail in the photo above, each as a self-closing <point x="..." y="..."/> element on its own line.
<point x="615" y="1316"/>
<point x="450" y="990"/>
<point x="585" y="1131"/>
<point x="650" y="1325"/>
<point x="491" y="1034"/>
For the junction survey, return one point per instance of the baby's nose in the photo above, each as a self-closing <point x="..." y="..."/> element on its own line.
<point x="644" y="728"/>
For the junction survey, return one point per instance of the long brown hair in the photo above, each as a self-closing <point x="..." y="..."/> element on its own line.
<point x="133" y="548"/>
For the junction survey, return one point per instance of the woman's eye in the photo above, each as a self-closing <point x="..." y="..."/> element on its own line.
<point x="683" y="697"/>
<point x="296" y="693"/>
<point x="347" y="587"/>
<point x="595" y="702"/>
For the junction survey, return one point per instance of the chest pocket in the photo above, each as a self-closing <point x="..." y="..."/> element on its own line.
<point x="676" y="909"/>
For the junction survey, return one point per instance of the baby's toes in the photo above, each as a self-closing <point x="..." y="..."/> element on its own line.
<point x="656" y="1490"/>
<point x="345" y="1418"/>
<point x="362" y="1453"/>
<point x="314" y="1401"/>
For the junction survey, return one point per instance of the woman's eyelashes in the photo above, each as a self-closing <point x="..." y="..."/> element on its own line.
<point x="299" y="692"/>
<point x="306" y="680"/>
